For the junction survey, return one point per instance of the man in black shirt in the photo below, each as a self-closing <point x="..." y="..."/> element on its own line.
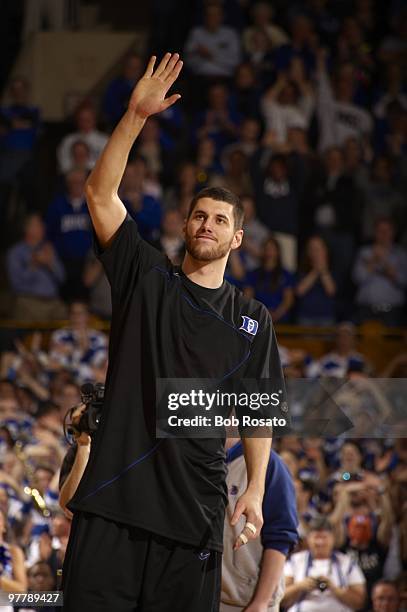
<point x="148" y="512"/>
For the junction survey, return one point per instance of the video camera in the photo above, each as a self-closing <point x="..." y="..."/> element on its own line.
<point x="92" y="396"/>
<point x="321" y="584"/>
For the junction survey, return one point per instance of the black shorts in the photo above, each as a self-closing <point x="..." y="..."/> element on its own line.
<point x="111" y="567"/>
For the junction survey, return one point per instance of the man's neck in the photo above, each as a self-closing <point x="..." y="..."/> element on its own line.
<point x="208" y="274"/>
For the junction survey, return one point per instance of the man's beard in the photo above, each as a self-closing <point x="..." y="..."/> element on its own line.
<point x="202" y="251"/>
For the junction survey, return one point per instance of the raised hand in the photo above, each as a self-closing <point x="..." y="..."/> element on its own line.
<point x="148" y="97"/>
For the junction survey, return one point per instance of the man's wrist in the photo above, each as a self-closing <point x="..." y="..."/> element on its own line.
<point x="135" y="117"/>
<point x="256" y="488"/>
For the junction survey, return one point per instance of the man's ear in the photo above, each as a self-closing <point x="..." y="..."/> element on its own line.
<point x="237" y="239"/>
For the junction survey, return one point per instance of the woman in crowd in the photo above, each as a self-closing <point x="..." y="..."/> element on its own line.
<point x="271" y="283"/>
<point x="322" y="578"/>
<point x="316" y="288"/>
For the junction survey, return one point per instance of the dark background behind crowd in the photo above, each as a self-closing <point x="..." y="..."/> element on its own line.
<point x="301" y="109"/>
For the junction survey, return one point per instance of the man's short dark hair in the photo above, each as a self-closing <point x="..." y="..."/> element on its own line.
<point x="221" y="195"/>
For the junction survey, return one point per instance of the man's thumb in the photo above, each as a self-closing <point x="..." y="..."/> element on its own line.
<point x="237" y="514"/>
<point x="170" y="101"/>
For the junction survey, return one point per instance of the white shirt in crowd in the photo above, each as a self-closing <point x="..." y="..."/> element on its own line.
<point x="280" y="117"/>
<point x="95" y="140"/>
<point x="224" y="47"/>
<point x="338" y="120"/>
<point x="341" y="570"/>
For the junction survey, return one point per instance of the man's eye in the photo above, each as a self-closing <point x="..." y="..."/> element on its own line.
<point x="221" y="220"/>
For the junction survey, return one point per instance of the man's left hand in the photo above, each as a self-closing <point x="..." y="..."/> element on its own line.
<point x="249" y="504"/>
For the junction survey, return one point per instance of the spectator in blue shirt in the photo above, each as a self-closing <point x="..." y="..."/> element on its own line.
<point x="316" y="288"/>
<point x="271" y="283"/>
<point x="380" y="273"/>
<point x="245" y="96"/>
<point x="252" y="578"/>
<point x="301" y="45"/>
<point x="68" y="227"/>
<point x="119" y="89"/>
<point x="277" y="197"/>
<point x="218" y="122"/>
<point x="23" y="118"/>
<point x="141" y="198"/>
<point x="19" y="129"/>
<point x="35" y="273"/>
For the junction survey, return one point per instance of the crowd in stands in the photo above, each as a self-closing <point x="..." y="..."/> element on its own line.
<point x="356" y="487"/>
<point x="301" y="109"/>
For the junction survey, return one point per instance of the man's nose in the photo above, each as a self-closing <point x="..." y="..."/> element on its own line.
<point x="207" y="225"/>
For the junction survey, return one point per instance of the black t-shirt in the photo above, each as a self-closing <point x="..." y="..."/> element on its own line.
<point x="371" y="561"/>
<point x="166" y="326"/>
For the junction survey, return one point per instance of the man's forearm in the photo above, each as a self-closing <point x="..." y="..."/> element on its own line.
<point x="272" y="566"/>
<point x="107" y="174"/>
<point x="257" y="455"/>
<point x="73" y="479"/>
<point x="148" y="98"/>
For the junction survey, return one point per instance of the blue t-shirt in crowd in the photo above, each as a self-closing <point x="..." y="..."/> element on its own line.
<point x="148" y="218"/>
<point x="316" y="303"/>
<point x="116" y="98"/>
<point x="261" y="281"/>
<point x="69" y="229"/>
<point x="20" y="138"/>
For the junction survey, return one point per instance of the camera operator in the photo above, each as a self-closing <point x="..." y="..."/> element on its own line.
<point x="322" y="578"/>
<point x="75" y="462"/>
<point x="84" y="421"/>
